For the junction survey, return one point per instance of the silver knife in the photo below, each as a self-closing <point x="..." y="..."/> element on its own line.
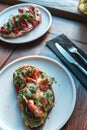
<point x="69" y="58"/>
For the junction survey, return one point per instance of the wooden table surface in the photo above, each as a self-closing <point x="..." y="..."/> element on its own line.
<point x="77" y="32"/>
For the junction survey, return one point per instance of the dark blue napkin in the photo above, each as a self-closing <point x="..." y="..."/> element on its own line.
<point x="64" y="41"/>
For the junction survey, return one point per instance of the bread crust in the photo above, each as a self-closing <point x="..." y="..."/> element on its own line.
<point x="13" y="36"/>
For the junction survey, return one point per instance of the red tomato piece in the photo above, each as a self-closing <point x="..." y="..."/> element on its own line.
<point x="43" y="88"/>
<point x="44" y="101"/>
<point x="3" y="30"/>
<point x="31" y="9"/>
<point x="43" y="82"/>
<point x="23" y="24"/>
<point x="25" y="67"/>
<point x="31" y="105"/>
<point x="20" y="10"/>
<point x="43" y="85"/>
<point x="34" y="22"/>
<point x="30" y="80"/>
<point x="15" y="30"/>
<point x="17" y="88"/>
<point x="35" y="73"/>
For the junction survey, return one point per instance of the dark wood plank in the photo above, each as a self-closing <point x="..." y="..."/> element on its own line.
<point x="6" y="51"/>
<point x="3" y="6"/>
<point x="62" y="8"/>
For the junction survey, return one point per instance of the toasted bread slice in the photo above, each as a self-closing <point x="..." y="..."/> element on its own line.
<point x="22" y="23"/>
<point x="35" y="95"/>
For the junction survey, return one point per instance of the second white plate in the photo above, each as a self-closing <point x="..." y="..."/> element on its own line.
<point x="64" y="90"/>
<point x="39" y="31"/>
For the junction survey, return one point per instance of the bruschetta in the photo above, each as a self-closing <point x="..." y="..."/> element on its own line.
<point x="22" y="23"/>
<point x="34" y="94"/>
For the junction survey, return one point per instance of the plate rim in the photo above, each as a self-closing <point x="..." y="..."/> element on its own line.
<point x="63" y="68"/>
<point x="27" y="4"/>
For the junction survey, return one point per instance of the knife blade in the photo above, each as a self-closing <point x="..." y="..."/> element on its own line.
<point x="69" y="58"/>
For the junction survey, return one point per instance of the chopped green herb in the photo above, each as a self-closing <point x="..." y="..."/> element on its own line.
<point x="32" y="87"/>
<point x="28" y="16"/>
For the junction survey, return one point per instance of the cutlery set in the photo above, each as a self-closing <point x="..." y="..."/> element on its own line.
<point x="70" y="59"/>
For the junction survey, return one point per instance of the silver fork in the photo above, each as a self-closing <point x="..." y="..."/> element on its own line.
<point x="72" y="49"/>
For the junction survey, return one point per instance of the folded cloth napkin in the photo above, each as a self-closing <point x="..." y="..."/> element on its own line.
<point x="64" y="41"/>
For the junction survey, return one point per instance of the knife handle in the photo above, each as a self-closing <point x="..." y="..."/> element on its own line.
<point x="81" y="68"/>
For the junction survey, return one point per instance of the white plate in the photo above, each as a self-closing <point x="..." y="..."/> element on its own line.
<point x="39" y="31"/>
<point x="65" y="94"/>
